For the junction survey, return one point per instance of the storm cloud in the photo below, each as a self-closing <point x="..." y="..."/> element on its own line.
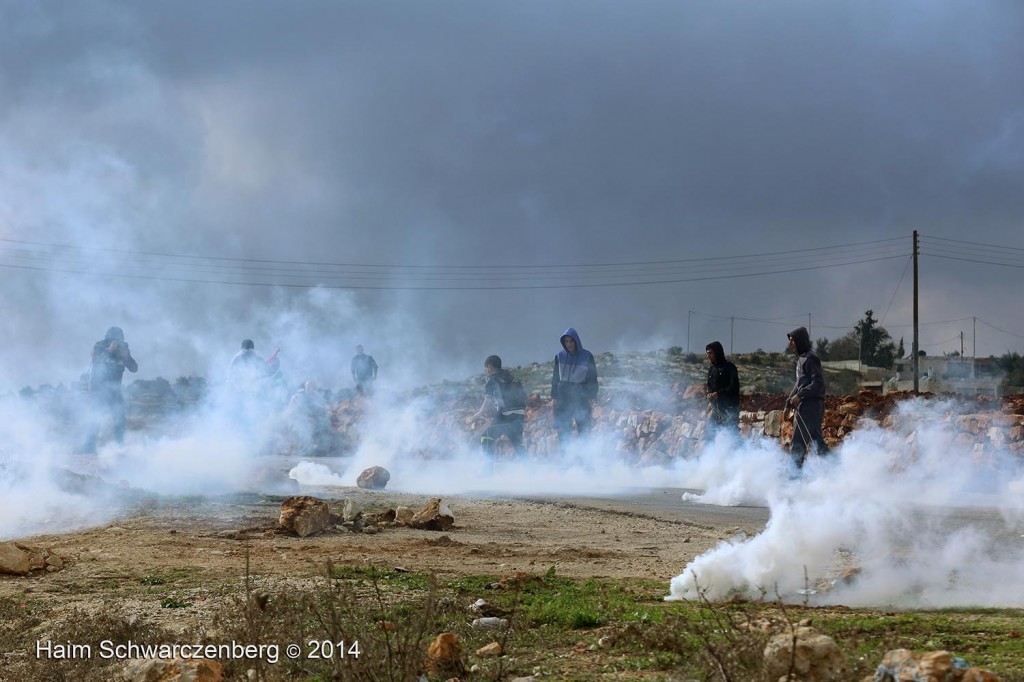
<point x="427" y="155"/>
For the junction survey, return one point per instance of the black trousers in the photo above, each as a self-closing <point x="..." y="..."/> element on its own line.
<point x="567" y="411"/>
<point x="510" y="426"/>
<point x="807" y="436"/>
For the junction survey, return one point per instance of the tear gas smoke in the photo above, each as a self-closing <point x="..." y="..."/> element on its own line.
<point x="887" y="503"/>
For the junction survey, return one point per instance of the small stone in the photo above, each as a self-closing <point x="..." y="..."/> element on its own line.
<point x="352" y="510"/>
<point x="492" y="649"/>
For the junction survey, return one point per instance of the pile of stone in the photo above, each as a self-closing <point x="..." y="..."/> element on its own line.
<point x="304" y="515"/>
<point x="981" y="424"/>
<point x="675" y="427"/>
<point x="17" y="558"/>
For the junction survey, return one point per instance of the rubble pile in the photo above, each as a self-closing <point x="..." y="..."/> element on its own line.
<point x="17" y="558"/>
<point x="648" y="435"/>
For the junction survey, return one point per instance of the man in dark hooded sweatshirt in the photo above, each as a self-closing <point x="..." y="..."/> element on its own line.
<point x="723" y="389"/>
<point x="573" y="386"/>
<point x="110" y="358"/>
<point x="505" y="403"/>
<point x="807" y="398"/>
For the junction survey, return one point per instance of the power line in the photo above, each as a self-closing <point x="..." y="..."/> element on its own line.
<point x="960" y="241"/>
<point x="445" y="288"/>
<point x="889" y="307"/>
<point x="232" y="270"/>
<point x="989" y="324"/>
<point x="453" y="266"/>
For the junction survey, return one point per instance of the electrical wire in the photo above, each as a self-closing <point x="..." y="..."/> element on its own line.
<point x="889" y="307"/>
<point x="161" y="266"/>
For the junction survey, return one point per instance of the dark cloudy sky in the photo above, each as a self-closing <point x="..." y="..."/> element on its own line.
<point x="440" y="153"/>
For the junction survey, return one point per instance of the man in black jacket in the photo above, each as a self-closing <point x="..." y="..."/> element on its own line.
<point x="723" y="390"/>
<point x="364" y="371"/>
<point x="807" y="399"/>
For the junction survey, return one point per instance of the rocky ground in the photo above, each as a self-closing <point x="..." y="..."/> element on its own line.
<point x="213" y="542"/>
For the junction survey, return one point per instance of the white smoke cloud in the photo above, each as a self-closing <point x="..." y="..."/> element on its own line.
<point x="928" y="523"/>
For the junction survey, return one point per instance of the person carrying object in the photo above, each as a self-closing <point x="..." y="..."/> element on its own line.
<point x="807" y="399"/>
<point x="723" y="390"/>
<point x="505" y="404"/>
<point x="248" y="369"/>
<point x="110" y="358"/>
<point x="573" y="386"/>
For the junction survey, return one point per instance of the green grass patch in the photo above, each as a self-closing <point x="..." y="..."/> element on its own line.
<point x="366" y="575"/>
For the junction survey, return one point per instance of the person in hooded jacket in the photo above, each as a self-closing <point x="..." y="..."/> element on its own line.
<point x="807" y="399"/>
<point x="110" y="358"/>
<point x="573" y="386"/>
<point x="723" y="390"/>
<point x="506" y="419"/>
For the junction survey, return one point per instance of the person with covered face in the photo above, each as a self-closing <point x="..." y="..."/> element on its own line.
<point x="110" y="358"/>
<point x="573" y="386"/>
<point x="723" y="390"/>
<point x="807" y="399"/>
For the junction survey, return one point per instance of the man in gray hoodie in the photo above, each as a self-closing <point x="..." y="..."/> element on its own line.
<point x="807" y="399"/>
<point x="573" y="386"/>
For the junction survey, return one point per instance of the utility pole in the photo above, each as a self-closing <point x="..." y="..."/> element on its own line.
<point x="689" y="313"/>
<point x="961" y="346"/>
<point x="732" y="325"/>
<point x="974" y="346"/>
<point x="917" y="340"/>
<point x="809" y="326"/>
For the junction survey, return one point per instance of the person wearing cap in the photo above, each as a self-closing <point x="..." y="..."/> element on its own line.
<point x="723" y="390"/>
<point x="110" y="358"/>
<point x="807" y="399"/>
<point x="573" y="386"/>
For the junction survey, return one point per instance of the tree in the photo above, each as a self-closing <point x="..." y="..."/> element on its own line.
<point x="846" y="347"/>
<point x="876" y="345"/>
<point x="868" y="343"/>
<point x="823" y="348"/>
<point x="1013" y="365"/>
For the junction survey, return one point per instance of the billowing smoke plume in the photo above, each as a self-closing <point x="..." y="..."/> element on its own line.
<point x="904" y="517"/>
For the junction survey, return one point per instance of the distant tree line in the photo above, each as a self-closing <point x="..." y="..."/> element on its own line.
<point x="868" y="342"/>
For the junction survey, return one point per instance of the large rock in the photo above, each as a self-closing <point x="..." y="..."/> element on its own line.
<point x="434" y="516"/>
<point x="13" y="560"/>
<point x="773" y="423"/>
<point x="304" y="515"/>
<point x="374" y="478"/>
<point x="176" y="670"/>
<point x="817" y="657"/>
<point x="403" y="515"/>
